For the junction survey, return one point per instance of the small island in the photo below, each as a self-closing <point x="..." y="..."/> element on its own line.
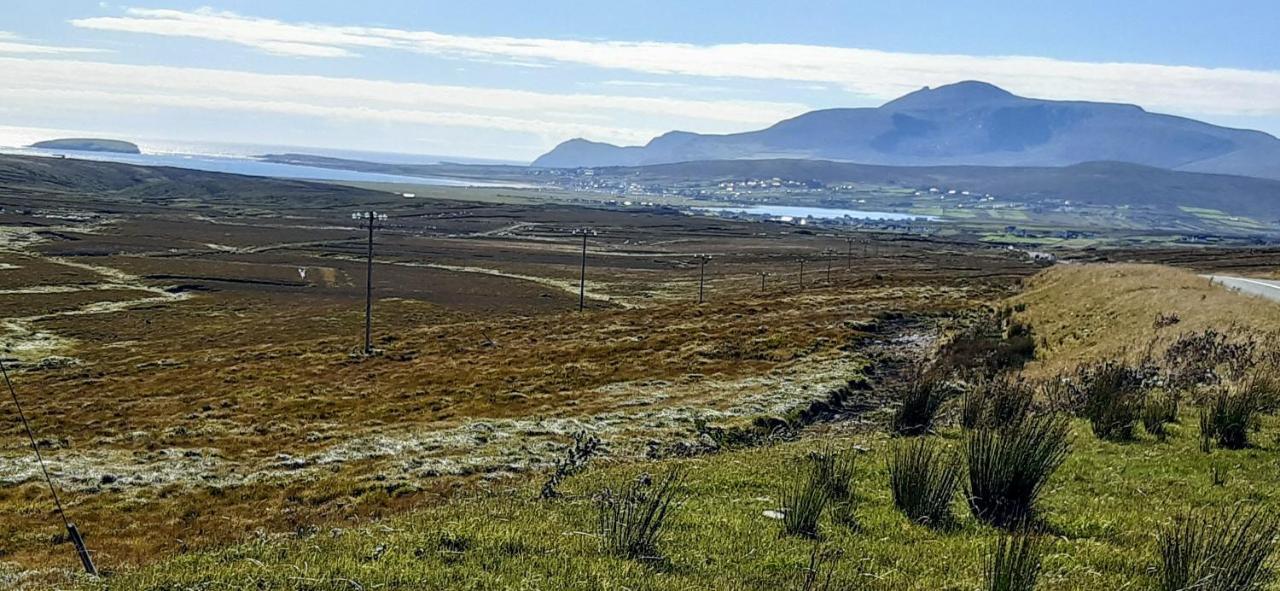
<point x="89" y="145"/>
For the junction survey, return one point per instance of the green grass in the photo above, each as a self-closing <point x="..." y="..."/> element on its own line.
<point x="1005" y="238"/>
<point x="1224" y="218"/>
<point x="1009" y="214"/>
<point x="1104" y="508"/>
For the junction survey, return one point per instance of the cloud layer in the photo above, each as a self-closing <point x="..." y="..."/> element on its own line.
<point x="552" y="117"/>
<point x="12" y="43"/>
<point x="869" y="73"/>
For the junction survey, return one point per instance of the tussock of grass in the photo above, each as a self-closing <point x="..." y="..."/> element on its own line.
<point x="1231" y="414"/>
<point x="835" y="469"/>
<point x="921" y="400"/>
<point x="1206" y="431"/>
<point x="1009" y="468"/>
<point x="1218" y="550"/>
<point x="1111" y="396"/>
<point x="1003" y="401"/>
<point x="923" y="477"/>
<point x="1158" y="411"/>
<point x="805" y="496"/>
<point x="631" y="520"/>
<point x="820" y="574"/>
<point x="1013" y="563"/>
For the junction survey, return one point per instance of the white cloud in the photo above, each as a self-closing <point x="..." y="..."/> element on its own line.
<point x="871" y="73"/>
<point x="68" y="84"/>
<point x="12" y="43"/>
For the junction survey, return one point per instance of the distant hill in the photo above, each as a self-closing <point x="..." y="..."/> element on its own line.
<point x="32" y="177"/>
<point x="89" y="145"/>
<point x="1099" y="183"/>
<point x="968" y="123"/>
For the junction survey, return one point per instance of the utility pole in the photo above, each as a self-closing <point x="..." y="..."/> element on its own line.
<point x="702" y="274"/>
<point x="849" y="256"/>
<point x="829" y="254"/>
<point x="762" y="276"/>
<point x="370" y="217"/>
<point x="582" y="274"/>
<point x="801" y="273"/>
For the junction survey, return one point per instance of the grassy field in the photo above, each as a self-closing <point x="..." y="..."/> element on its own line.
<point x="1104" y="507"/>
<point x="191" y="372"/>
<point x="1100" y="514"/>
<point x="190" y="364"/>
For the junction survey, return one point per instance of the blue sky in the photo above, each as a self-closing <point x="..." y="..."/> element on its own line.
<point x="508" y="80"/>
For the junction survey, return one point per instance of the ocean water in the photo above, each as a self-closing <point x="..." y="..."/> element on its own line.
<point x="242" y="158"/>
<point x="248" y="165"/>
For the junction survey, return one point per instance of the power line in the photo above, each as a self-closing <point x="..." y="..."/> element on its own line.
<point x="85" y="559"/>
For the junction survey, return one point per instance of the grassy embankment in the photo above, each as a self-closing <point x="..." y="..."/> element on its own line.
<point x="1101" y="511"/>
<point x="1089" y="312"/>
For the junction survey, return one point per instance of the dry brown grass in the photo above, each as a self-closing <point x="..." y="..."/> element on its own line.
<point x="189" y="423"/>
<point x="196" y="439"/>
<point x="199" y="419"/>
<point x="1084" y="313"/>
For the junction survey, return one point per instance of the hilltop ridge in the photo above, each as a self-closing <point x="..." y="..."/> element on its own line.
<point x="966" y="123"/>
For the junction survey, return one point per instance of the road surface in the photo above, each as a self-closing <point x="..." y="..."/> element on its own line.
<point x="1266" y="288"/>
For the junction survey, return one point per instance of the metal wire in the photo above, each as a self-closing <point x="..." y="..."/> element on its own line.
<point x="34" y="446"/>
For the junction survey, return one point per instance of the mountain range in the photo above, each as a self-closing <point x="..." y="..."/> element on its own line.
<point x="967" y="123"/>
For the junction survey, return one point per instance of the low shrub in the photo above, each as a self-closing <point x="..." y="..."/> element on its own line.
<point x="1217" y="551"/>
<point x="923" y="478"/>
<point x="1009" y="467"/>
<point x="584" y="447"/>
<point x="990" y="343"/>
<point x="1207" y="358"/>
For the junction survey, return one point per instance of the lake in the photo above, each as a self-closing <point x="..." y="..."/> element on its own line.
<point x="826" y="213"/>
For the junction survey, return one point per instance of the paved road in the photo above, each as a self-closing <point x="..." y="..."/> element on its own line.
<point x="1260" y="287"/>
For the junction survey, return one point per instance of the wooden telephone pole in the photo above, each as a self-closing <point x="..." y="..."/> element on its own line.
<point x="702" y="274"/>
<point x="371" y="217"/>
<point x="582" y="273"/>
